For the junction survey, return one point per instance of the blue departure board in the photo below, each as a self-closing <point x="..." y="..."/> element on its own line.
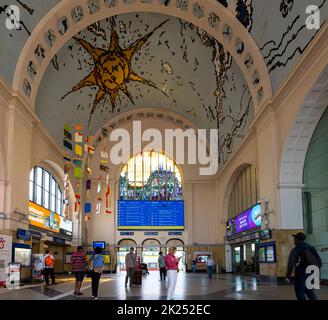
<point x="144" y="215"/>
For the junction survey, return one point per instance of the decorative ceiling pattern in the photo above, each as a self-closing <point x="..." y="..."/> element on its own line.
<point x="140" y="60"/>
<point x="29" y="15"/>
<point x="278" y="28"/>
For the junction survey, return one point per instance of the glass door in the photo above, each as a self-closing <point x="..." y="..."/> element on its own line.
<point x="237" y="259"/>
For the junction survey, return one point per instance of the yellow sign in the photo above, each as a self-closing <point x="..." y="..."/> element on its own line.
<point x="43" y="218"/>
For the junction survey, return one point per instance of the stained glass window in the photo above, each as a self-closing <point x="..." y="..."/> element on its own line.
<point x="150" y="176"/>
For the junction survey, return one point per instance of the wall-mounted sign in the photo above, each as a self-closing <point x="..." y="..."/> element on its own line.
<point x="150" y="233"/>
<point x="126" y="233"/>
<point x="245" y="221"/>
<point x="66" y="226"/>
<point x="58" y="240"/>
<point x="23" y="234"/>
<point x="177" y="233"/>
<point x="45" y="219"/>
<point x="5" y="256"/>
<point x="267" y="252"/>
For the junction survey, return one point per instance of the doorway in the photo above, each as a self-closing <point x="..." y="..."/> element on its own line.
<point x="245" y="258"/>
<point x="150" y="253"/>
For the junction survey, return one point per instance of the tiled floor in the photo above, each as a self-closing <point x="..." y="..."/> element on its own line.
<point x="189" y="286"/>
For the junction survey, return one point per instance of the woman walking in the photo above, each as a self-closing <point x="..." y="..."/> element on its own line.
<point x="172" y="272"/>
<point x="98" y="268"/>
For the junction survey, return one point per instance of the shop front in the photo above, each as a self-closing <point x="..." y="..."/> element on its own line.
<point x="243" y="237"/>
<point x="49" y="231"/>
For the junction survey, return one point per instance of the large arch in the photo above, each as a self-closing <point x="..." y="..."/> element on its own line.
<point x="294" y="152"/>
<point x="209" y="15"/>
<point x="234" y="176"/>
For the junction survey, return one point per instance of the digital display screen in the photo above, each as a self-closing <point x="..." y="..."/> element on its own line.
<point x="247" y="220"/>
<point x="143" y="214"/>
<point x="23" y="234"/>
<point x="99" y="244"/>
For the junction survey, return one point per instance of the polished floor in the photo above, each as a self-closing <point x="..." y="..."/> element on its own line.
<point x="189" y="286"/>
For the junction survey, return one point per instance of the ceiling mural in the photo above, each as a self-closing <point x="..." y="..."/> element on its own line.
<point x="278" y="28"/>
<point x="143" y="60"/>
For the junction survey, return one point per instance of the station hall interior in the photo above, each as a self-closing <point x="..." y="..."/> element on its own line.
<point x="84" y="82"/>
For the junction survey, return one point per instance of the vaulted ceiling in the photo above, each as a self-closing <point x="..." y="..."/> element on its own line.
<point x="154" y="60"/>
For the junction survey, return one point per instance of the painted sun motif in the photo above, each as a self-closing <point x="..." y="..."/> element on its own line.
<point x="112" y="69"/>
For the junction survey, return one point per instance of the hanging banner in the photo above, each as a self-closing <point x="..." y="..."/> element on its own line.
<point x="67" y="137"/>
<point x="5" y="257"/>
<point x="89" y="149"/>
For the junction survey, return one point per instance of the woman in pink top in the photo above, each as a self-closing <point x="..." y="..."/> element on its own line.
<point x="172" y="272"/>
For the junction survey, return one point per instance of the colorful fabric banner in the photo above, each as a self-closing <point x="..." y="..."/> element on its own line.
<point x="78" y="173"/>
<point x="104" y="168"/>
<point x="78" y="137"/>
<point x="87" y="207"/>
<point x="89" y="149"/>
<point x="78" y="150"/>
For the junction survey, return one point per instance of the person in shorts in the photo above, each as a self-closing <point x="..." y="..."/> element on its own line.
<point x="78" y="265"/>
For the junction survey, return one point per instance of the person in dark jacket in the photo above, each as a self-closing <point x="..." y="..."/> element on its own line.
<point x="297" y="260"/>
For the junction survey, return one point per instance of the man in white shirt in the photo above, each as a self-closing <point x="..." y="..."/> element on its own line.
<point x="210" y="266"/>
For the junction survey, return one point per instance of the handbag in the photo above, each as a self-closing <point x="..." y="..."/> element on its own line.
<point x="98" y="269"/>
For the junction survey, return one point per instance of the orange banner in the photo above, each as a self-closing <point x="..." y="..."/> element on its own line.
<point x="43" y="218"/>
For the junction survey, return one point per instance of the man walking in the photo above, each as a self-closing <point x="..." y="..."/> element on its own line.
<point x="302" y="256"/>
<point x="48" y="268"/>
<point x="78" y="265"/>
<point x="162" y="266"/>
<point x="130" y="264"/>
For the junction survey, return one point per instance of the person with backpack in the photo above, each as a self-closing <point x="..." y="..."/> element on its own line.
<point x="97" y="270"/>
<point x="302" y="256"/>
<point x="48" y="268"/>
<point x="78" y="265"/>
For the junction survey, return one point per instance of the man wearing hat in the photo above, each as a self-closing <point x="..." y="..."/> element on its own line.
<point x="302" y="256"/>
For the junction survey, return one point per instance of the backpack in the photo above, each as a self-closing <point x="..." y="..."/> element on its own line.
<point x="48" y="261"/>
<point x="309" y="257"/>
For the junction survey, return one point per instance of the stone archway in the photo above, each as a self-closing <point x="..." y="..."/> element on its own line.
<point x="294" y="153"/>
<point x="210" y="16"/>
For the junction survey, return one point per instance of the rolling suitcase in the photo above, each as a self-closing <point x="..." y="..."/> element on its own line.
<point x="138" y="278"/>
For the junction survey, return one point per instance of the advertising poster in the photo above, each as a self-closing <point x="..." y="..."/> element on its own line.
<point x="247" y="220"/>
<point x="47" y="220"/>
<point x="43" y="218"/>
<point x="5" y="257"/>
<point x="37" y="266"/>
<point x="13" y="280"/>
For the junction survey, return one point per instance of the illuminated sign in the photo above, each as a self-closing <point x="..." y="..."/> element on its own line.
<point x="45" y="219"/>
<point x="155" y="215"/>
<point x="245" y="221"/>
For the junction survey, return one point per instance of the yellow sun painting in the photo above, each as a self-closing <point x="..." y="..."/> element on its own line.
<point x="112" y="69"/>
